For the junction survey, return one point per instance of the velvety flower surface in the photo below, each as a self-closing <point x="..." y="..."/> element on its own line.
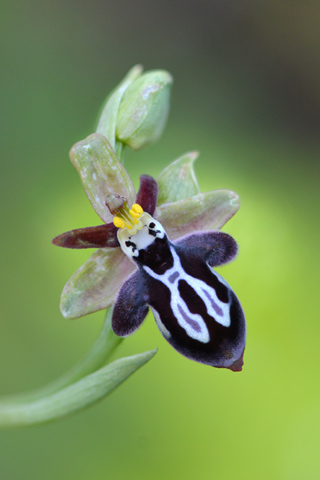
<point x="174" y="200"/>
<point x="194" y="307"/>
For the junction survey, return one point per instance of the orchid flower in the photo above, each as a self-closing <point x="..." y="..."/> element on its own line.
<point x="173" y="209"/>
<point x="154" y="248"/>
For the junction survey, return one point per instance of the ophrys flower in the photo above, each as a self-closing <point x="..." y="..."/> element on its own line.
<point x="182" y="265"/>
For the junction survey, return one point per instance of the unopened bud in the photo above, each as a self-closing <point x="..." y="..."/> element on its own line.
<point x="144" y="109"/>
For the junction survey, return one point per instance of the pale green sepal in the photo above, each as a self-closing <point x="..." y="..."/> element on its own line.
<point x="144" y="109"/>
<point x="205" y="211"/>
<point x="75" y="397"/>
<point x="101" y="173"/>
<point x="95" y="285"/>
<point x="178" y="180"/>
<point x="108" y="118"/>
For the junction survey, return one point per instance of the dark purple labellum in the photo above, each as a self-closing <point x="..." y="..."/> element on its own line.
<point x="195" y="309"/>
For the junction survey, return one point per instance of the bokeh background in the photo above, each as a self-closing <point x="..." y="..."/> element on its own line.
<point x="246" y="95"/>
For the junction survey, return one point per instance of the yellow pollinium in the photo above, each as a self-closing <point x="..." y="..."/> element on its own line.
<point x="128" y="218"/>
<point x="118" y="222"/>
<point x="136" y="210"/>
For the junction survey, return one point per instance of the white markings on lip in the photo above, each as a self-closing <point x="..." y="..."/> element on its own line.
<point x="192" y="323"/>
<point x="185" y="318"/>
<point x="173" y="277"/>
<point x="142" y="238"/>
<point x="215" y="307"/>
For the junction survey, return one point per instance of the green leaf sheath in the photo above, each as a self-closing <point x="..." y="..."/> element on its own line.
<point x="102" y="349"/>
<point x="75" y="397"/>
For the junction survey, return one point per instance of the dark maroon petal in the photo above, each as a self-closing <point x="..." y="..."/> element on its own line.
<point x="147" y="196"/>
<point x="89" y="237"/>
<point x="131" y="306"/>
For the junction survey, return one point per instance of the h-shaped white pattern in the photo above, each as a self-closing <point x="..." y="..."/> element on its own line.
<point x="192" y="323"/>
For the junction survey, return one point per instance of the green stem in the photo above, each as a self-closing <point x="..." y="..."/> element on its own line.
<point x="119" y="149"/>
<point x="104" y="346"/>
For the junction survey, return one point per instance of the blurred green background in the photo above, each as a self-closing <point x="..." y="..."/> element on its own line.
<point x="246" y="95"/>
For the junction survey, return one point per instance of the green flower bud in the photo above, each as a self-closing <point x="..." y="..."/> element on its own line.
<point x="144" y="109"/>
<point x="108" y="116"/>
